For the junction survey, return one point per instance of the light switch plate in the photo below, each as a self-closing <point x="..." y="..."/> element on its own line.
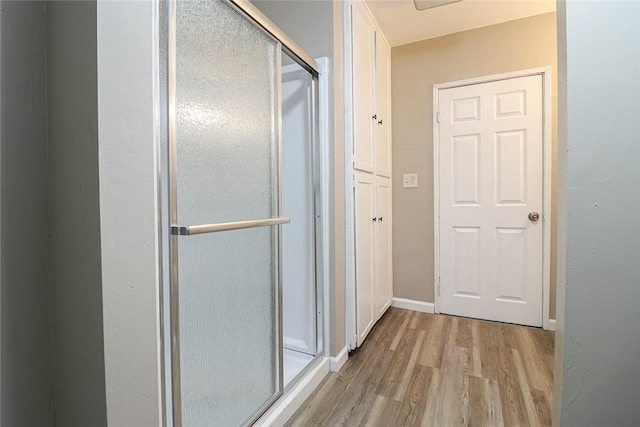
<point x="410" y="180"/>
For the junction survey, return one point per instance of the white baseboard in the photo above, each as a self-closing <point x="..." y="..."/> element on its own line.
<point x="552" y="325"/>
<point x="339" y="361"/>
<point x="292" y="400"/>
<point x="409" y="304"/>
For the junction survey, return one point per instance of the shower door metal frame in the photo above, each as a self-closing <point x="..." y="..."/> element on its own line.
<point x="319" y="216"/>
<point x="171" y="386"/>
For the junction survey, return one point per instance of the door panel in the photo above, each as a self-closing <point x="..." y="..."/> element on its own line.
<point x="383" y="67"/>
<point x="511" y="250"/>
<point x="490" y="147"/>
<point x="228" y="334"/>
<point x="466" y="164"/>
<point x="363" y="89"/>
<point x="220" y="82"/>
<point x="511" y="167"/>
<point x="466" y="261"/>
<point x="384" y="273"/>
<point x="364" y="215"/>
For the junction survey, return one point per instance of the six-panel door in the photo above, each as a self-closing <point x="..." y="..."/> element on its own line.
<point x="490" y="149"/>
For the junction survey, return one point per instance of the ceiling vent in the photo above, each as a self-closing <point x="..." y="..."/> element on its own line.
<point x="429" y="4"/>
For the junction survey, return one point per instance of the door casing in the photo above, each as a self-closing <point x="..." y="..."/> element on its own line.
<point x="545" y="72"/>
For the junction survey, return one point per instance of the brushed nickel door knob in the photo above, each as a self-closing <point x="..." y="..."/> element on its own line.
<point x="534" y="216"/>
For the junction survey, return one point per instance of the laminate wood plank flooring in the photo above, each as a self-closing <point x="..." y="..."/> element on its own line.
<point x="418" y="369"/>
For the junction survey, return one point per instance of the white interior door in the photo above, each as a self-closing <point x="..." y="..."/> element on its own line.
<point x="364" y="222"/>
<point x="490" y="162"/>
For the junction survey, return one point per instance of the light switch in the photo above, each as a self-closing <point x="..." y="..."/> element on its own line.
<point x="410" y="180"/>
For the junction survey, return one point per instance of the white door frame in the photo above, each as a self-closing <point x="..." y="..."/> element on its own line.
<point x="323" y="141"/>
<point x="545" y="72"/>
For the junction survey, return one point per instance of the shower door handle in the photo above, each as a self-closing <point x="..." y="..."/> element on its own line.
<point x="189" y="230"/>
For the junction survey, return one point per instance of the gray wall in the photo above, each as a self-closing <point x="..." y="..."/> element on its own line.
<point x="75" y="213"/>
<point x="561" y="223"/>
<point x="601" y="361"/>
<point x="129" y="223"/>
<point x="26" y="374"/>
<point x="317" y="27"/>
<point x="52" y="362"/>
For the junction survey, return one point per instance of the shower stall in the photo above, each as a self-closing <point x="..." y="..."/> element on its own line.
<point x="242" y="303"/>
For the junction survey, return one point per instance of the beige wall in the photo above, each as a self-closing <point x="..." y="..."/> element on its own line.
<point x="512" y="46"/>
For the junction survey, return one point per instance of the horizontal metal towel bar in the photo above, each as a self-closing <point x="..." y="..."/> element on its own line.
<point x="189" y="230"/>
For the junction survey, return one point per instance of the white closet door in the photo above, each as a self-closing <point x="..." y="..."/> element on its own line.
<point x="363" y="89"/>
<point x="384" y="274"/>
<point x="383" y="122"/>
<point x="364" y="228"/>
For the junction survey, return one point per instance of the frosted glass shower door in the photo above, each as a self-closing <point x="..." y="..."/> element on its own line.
<point x="224" y="110"/>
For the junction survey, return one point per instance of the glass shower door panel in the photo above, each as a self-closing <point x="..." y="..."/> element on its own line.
<point x="229" y="360"/>
<point x="225" y="170"/>
<point x="226" y="115"/>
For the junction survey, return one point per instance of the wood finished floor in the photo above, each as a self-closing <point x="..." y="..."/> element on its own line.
<point x="418" y="369"/>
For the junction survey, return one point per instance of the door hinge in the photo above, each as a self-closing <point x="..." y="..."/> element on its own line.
<point x="438" y="285"/>
<point x="438" y="117"/>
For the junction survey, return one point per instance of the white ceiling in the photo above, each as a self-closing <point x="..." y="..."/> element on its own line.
<point x="401" y="23"/>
